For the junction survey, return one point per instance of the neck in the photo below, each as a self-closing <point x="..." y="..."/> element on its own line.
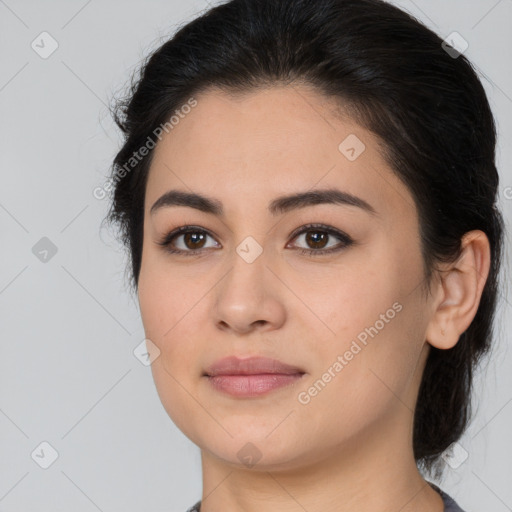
<point x="375" y="472"/>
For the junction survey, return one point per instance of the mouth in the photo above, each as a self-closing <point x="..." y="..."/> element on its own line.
<point x="233" y="365"/>
<point x="251" y="377"/>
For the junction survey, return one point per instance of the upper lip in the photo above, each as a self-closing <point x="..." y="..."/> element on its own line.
<point x="233" y="365"/>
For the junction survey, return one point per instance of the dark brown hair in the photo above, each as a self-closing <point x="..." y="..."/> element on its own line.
<point x="426" y="105"/>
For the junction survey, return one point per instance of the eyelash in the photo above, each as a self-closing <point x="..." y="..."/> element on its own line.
<point x="346" y="240"/>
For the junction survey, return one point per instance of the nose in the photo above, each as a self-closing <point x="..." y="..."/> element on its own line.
<point x="249" y="298"/>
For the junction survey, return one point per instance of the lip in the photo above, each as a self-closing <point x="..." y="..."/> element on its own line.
<point x="233" y="365"/>
<point x="251" y="377"/>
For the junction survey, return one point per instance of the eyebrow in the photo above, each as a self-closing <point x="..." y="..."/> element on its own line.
<point x="278" y="206"/>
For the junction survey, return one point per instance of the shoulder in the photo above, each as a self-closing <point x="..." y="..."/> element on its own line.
<point x="450" y="505"/>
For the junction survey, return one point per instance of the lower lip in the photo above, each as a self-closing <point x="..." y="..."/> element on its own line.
<point x="252" y="385"/>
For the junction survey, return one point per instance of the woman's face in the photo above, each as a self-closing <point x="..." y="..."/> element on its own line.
<point x="353" y="320"/>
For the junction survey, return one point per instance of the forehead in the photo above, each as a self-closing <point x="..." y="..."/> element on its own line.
<point x="271" y="142"/>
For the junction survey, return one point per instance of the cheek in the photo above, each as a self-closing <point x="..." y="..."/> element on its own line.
<point x="163" y="305"/>
<point x="350" y="297"/>
<point x="376" y="295"/>
<point x="365" y="373"/>
<point x="374" y="314"/>
<point x="163" y="309"/>
<point x="165" y="295"/>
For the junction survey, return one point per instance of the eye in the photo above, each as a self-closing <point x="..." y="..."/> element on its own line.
<point x="316" y="235"/>
<point x="193" y="240"/>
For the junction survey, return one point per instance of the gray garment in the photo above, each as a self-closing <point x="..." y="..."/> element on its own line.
<point x="449" y="504"/>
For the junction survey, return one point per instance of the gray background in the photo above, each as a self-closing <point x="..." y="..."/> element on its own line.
<point x="68" y="375"/>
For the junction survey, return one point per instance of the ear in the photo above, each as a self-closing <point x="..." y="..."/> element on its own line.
<point x="458" y="291"/>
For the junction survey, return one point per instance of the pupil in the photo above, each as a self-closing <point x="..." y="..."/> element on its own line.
<point x="314" y="239"/>
<point x="194" y="237"/>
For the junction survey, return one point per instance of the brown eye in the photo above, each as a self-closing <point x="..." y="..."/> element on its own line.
<point x="192" y="240"/>
<point x="317" y="238"/>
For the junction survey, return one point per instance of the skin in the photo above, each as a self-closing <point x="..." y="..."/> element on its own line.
<point x="350" y="447"/>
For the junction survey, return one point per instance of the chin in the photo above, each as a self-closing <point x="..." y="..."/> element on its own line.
<point x="256" y="451"/>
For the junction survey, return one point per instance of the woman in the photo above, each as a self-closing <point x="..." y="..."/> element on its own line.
<point x="307" y="190"/>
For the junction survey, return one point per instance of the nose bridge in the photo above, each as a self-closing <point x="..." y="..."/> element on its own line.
<point x="244" y="297"/>
<point x="248" y="267"/>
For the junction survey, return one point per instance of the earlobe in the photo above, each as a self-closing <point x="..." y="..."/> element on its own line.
<point x="459" y="292"/>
